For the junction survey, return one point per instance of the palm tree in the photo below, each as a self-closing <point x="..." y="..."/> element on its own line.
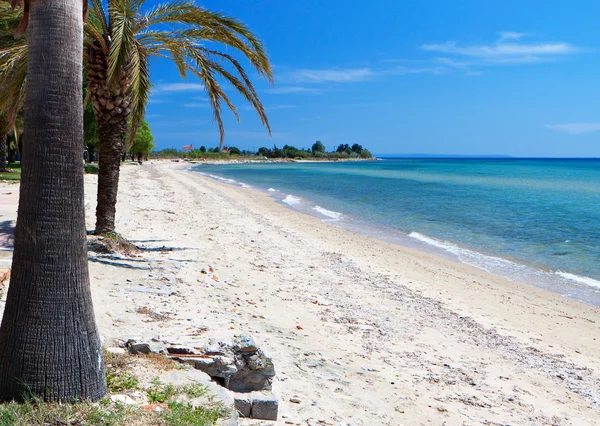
<point x="49" y="343"/>
<point x="119" y="43"/>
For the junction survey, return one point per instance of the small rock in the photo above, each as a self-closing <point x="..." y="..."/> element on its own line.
<point x="137" y="348"/>
<point x="245" y="343"/>
<point x="243" y="404"/>
<point x="123" y="399"/>
<point x="295" y="399"/>
<point x="264" y="406"/>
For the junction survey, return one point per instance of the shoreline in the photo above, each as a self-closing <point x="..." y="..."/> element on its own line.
<point x="361" y="331"/>
<point x="566" y="284"/>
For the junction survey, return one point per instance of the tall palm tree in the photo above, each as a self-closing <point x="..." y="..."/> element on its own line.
<point x="119" y="43"/>
<point x="49" y="343"/>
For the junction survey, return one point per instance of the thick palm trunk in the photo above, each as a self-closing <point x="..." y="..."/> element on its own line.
<point x="3" y="151"/>
<point x="112" y="109"/>
<point x="49" y="343"/>
<point x="111" y="137"/>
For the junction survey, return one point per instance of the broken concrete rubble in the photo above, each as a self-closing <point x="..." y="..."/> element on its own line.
<point x="240" y="366"/>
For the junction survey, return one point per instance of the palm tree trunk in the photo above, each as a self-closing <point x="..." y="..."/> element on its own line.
<point x="49" y="343"/>
<point x="3" y="150"/>
<point x="112" y="135"/>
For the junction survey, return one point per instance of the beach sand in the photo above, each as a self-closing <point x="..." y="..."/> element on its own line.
<point x="361" y="332"/>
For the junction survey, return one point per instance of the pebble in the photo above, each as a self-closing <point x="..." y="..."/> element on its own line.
<point x="295" y="399"/>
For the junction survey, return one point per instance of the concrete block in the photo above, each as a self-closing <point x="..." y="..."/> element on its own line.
<point x="243" y="404"/>
<point x="265" y="406"/>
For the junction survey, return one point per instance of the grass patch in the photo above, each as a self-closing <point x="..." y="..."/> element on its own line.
<point x="120" y="382"/>
<point x="120" y="379"/>
<point x="37" y="412"/>
<point x="161" y="393"/>
<point x="181" y="414"/>
<point x="91" y="169"/>
<point x="163" y="363"/>
<point x="13" y="175"/>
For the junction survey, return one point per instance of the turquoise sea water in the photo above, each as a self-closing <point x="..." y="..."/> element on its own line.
<point x="535" y="221"/>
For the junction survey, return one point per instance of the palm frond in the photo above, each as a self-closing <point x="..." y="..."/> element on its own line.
<point x="122" y="22"/>
<point x="13" y="73"/>
<point x="139" y="89"/>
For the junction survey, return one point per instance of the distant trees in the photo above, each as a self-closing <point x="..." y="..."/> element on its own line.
<point x="343" y="151"/>
<point x="143" y="142"/>
<point x="318" y="147"/>
<point x="316" y="151"/>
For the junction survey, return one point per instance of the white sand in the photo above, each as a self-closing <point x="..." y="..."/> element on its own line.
<point x="362" y="332"/>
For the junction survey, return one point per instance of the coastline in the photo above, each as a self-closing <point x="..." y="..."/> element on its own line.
<point x="566" y="283"/>
<point x="362" y="331"/>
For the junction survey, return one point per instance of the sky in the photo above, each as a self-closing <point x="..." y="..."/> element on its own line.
<point x="458" y="77"/>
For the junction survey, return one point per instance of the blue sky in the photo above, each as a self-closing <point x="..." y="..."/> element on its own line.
<point x="478" y="77"/>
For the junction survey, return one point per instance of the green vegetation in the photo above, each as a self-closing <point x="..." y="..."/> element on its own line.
<point x="14" y="174"/>
<point x="143" y="143"/>
<point x="120" y="382"/>
<point x="161" y="393"/>
<point x="175" y="401"/>
<point x="316" y="152"/>
<point x="181" y="414"/>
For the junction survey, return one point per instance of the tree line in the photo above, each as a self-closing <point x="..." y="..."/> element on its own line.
<point x="317" y="151"/>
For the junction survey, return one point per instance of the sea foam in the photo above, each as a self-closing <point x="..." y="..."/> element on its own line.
<point x="291" y="200"/>
<point x="328" y="213"/>
<point x="577" y="278"/>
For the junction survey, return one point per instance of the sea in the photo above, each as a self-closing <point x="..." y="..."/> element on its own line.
<point x="534" y="221"/>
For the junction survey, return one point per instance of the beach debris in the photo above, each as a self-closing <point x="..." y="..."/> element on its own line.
<point x="240" y="366"/>
<point x="135" y="348"/>
<point x="299" y="327"/>
<point x="264" y="406"/>
<point x="140" y="289"/>
<point x="261" y="405"/>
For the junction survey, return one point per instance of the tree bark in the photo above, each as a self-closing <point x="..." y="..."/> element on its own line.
<point x="3" y="151"/>
<point x="110" y="147"/>
<point x="49" y="343"/>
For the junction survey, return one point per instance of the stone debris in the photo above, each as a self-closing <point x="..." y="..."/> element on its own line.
<point x="239" y="366"/>
<point x="260" y="405"/>
<point x="135" y="348"/>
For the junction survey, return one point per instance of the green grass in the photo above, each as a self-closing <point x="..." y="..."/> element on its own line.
<point x="120" y="379"/>
<point x="13" y="175"/>
<point x="181" y="414"/>
<point x="161" y="393"/>
<point x="120" y="382"/>
<point x="91" y="169"/>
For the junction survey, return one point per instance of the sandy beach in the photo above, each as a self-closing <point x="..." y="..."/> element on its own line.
<point x="361" y="332"/>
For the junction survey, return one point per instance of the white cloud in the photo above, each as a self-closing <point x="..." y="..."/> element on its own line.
<point x="179" y="87"/>
<point x="575" y="128"/>
<point x="197" y="105"/>
<point x="411" y="70"/>
<point x="510" y="35"/>
<point x="269" y="107"/>
<point x="334" y="75"/>
<point x="284" y="90"/>
<point x="503" y="50"/>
